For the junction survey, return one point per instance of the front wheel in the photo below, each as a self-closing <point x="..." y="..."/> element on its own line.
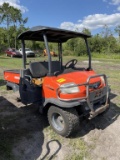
<point x="63" y="121"/>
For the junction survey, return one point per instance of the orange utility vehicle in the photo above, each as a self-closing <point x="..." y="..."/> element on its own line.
<point x="65" y="91"/>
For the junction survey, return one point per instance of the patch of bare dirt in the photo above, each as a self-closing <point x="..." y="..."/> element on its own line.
<point x="23" y="127"/>
<point x="104" y="139"/>
<point x="101" y="134"/>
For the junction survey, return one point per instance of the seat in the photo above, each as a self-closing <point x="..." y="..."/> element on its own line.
<point x="38" y="69"/>
<point x="55" y="66"/>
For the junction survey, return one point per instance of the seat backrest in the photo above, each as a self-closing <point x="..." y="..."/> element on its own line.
<point x="26" y="72"/>
<point x="38" y="69"/>
<point x="55" y="66"/>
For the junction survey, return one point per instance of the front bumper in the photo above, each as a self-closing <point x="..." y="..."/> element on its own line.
<point x="31" y="54"/>
<point x="98" y="96"/>
<point x="99" y="110"/>
<point x="17" y="55"/>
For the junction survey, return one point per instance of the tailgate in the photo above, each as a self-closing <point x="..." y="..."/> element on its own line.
<point x="12" y="76"/>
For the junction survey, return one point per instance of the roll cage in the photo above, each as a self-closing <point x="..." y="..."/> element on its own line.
<point x="49" y="34"/>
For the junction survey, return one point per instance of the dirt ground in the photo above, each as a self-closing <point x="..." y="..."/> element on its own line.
<point x="32" y="138"/>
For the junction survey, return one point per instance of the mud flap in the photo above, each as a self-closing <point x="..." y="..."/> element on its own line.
<point x="29" y="93"/>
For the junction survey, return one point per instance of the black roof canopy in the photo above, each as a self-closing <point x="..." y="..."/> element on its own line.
<point x="53" y="34"/>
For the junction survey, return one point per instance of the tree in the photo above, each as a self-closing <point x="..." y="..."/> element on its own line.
<point x="106" y="32"/>
<point x="96" y="44"/>
<point x="108" y="38"/>
<point x="11" y="16"/>
<point x="117" y="30"/>
<point x="86" y="31"/>
<point x="16" y="17"/>
<point x="5" y="16"/>
<point x="3" y="39"/>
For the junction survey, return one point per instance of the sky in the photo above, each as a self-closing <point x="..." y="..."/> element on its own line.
<point x="70" y="14"/>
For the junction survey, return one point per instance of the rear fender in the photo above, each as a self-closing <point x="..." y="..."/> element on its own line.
<point x="12" y="86"/>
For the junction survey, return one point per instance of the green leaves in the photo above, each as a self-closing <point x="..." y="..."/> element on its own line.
<point x="11" y="17"/>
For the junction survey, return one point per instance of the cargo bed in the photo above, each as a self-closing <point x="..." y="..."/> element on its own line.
<point x="12" y="76"/>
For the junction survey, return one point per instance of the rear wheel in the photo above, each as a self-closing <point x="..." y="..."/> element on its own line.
<point x="63" y="121"/>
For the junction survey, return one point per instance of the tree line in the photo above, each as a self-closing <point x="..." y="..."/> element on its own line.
<point x="13" y="24"/>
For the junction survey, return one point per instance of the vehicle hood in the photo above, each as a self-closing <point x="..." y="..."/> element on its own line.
<point x="77" y="77"/>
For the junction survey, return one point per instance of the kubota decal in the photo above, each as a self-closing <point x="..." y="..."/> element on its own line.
<point x="61" y="80"/>
<point x="16" y="77"/>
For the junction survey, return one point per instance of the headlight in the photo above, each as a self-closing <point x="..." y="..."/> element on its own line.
<point x="95" y="85"/>
<point x="69" y="88"/>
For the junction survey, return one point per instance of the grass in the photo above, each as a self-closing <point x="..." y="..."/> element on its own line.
<point x="109" y="65"/>
<point x="8" y="62"/>
<point x="80" y="149"/>
<point x="112" y="56"/>
<point x="77" y="147"/>
<point x="75" y="156"/>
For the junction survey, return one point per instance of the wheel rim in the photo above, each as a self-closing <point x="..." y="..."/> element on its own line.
<point x="57" y="121"/>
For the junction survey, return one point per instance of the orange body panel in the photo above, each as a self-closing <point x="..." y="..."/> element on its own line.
<point x="51" y="84"/>
<point x="12" y="76"/>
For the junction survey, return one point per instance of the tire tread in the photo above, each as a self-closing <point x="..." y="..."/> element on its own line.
<point x="72" y="116"/>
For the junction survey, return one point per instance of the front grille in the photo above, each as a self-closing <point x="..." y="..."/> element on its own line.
<point x="94" y="85"/>
<point x="99" y="102"/>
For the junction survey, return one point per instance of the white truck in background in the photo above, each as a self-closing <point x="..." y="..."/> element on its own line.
<point x="29" y="52"/>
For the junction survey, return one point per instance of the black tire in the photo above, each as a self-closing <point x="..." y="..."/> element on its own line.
<point x="63" y="121"/>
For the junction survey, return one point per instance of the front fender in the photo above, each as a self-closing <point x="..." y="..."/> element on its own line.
<point x="64" y="104"/>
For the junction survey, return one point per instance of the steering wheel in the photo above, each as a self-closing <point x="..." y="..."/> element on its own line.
<point x="71" y="63"/>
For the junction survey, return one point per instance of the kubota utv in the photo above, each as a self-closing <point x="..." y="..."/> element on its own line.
<point x="65" y="91"/>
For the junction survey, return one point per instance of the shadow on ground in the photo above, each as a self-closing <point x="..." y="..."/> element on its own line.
<point x="2" y="82"/>
<point x="102" y="121"/>
<point x="21" y="132"/>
